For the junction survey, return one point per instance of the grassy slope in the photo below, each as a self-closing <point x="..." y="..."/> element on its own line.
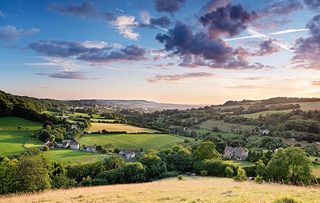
<point x="171" y="190"/>
<point x="14" y="140"/>
<point x="132" y="141"/>
<point x="263" y="113"/>
<point x="70" y="157"/>
<point x="118" y="127"/>
<point x="227" y="127"/>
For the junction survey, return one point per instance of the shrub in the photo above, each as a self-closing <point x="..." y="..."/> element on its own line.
<point x="286" y="200"/>
<point x="229" y="172"/>
<point x="203" y="173"/>
<point x="180" y="177"/>
<point x="241" y="175"/>
<point x="258" y="179"/>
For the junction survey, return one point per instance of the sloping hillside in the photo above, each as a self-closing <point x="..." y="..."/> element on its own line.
<point x="172" y="190"/>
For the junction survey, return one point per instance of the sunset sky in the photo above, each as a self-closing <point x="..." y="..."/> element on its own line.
<point x="173" y="51"/>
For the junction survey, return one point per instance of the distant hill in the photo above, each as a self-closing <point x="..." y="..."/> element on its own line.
<point x="136" y="104"/>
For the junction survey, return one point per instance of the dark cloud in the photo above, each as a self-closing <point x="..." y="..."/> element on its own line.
<point x="169" y="6"/>
<point x="230" y="20"/>
<point x="266" y="48"/>
<point x="129" y="53"/>
<point x="60" y="48"/>
<point x="179" y="77"/>
<point x="73" y="75"/>
<point x="82" y="52"/>
<point x="308" y="49"/>
<point x="11" y="32"/>
<point x="212" y="5"/>
<point x="163" y="21"/>
<point x="280" y="8"/>
<point x="313" y="4"/>
<point x="86" y="9"/>
<point x="201" y="50"/>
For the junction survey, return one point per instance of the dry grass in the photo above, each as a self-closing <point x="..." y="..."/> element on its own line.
<point x="114" y="127"/>
<point x="171" y="190"/>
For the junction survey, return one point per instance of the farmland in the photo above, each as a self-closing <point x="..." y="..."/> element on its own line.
<point x="194" y="189"/>
<point x="118" y="127"/>
<point x="15" y="135"/>
<point x="132" y="141"/>
<point x="72" y="157"/>
<point x="225" y="127"/>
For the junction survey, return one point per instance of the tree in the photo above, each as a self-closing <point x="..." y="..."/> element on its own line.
<point x="229" y="171"/>
<point x="260" y="168"/>
<point x="241" y="175"/>
<point x="154" y="166"/>
<point x="32" y="174"/>
<point x="290" y="165"/>
<point x="7" y="175"/>
<point x="207" y="150"/>
<point x="113" y="162"/>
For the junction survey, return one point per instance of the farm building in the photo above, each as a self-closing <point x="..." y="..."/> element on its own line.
<point x="235" y="153"/>
<point x="129" y="155"/>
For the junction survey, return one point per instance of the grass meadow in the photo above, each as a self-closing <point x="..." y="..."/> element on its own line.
<point x="15" y="135"/>
<point x="118" y="127"/>
<point x="71" y="157"/>
<point x="195" y="189"/>
<point x="133" y="141"/>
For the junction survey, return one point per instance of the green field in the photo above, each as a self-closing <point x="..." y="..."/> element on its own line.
<point x="225" y="127"/>
<point x="264" y="113"/>
<point x="15" y="135"/>
<point x="133" y="141"/>
<point x="239" y="163"/>
<point x="96" y="120"/>
<point x="118" y="127"/>
<point x="70" y="157"/>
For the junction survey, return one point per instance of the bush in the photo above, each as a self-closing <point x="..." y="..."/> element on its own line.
<point x="258" y="179"/>
<point x="241" y="175"/>
<point x="171" y="174"/>
<point x="180" y="177"/>
<point x="203" y="173"/>
<point x="286" y="200"/>
<point x="229" y="172"/>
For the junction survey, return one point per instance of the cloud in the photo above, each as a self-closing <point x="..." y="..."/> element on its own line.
<point x="212" y="5"/>
<point x="73" y="75"/>
<point x="86" y="9"/>
<point x="308" y="49"/>
<point x="129" y="53"/>
<point x="60" y="48"/>
<point x="267" y="47"/>
<point x="179" y="77"/>
<point x="201" y="50"/>
<point x="1" y="14"/>
<point x="11" y="32"/>
<point x="313" y="4"/>
<point x="316" y="83"/>
<point x="280" y="8"/>
<point x="169" y="6"/>
<point x="96" y="52"/>
<point x="254" y="78"/>
<point x="230" y="20"/>
<point x="161" y="22"/>
<point x="125" y="25"/>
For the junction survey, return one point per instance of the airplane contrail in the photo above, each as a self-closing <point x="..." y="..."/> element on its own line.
<point x="258" y="35"/>
<point x="120" y="10"/>
<point x="278" y="43"/>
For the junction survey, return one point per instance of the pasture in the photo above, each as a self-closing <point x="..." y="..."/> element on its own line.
<point x="195" y="189"/>
<point x="264" y="113"/>
<point x="70" y="157"/>
<point x="225" y="127"/>
<point x="15" y="135"/>
<point x="118" y="127"/>
<point x="133" y="141"/>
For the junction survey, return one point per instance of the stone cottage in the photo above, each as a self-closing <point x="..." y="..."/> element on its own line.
<point x="235" y="153"/>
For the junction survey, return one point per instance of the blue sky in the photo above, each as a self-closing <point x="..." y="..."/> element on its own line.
<point x="179" y="51"/>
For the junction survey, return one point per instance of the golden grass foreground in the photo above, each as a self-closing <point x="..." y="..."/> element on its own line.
<point x="196" y="189"/>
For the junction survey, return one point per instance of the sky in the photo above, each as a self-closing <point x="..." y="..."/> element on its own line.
<point x="171" y="51"/>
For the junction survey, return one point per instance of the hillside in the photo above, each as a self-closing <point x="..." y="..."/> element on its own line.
<point x="171" y="190"/>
